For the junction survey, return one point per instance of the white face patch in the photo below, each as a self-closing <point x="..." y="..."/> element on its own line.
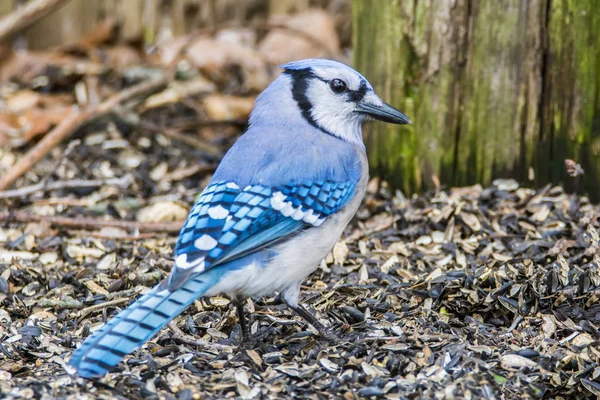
<point x="372" y="98"/>
<point x="349" y="76"/>
<point x="218" y="212"/>
<point x="205" y="242"/>
<point x="334" y="113"/>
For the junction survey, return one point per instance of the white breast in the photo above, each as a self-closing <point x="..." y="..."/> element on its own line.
<point x="295" y="259"/>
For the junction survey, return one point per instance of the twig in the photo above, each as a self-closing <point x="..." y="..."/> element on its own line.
<point x="92" y="223"/>
<point x="377" y="339"/>
<point x="104" y="305"/>
<point x="193" y="123"/>
<point x="180" y="337"/>
<point x="122" y="293"/>
<point x="122" y="182"/>
<point x="60" y="304"/>
<point x="145" y="278"/>
<point x="27" y="15"/>
<point x="173" y="133"/>
<point x="73" y="121"/>
<point x="176" y="135"/>
<point x="70" y="147"/>
<point x="140" y="236"/>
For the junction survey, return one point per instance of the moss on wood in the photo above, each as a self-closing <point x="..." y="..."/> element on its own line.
<point x="495" y="89"/>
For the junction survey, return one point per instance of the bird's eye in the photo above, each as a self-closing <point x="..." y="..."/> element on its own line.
<point x="338" y="86"/>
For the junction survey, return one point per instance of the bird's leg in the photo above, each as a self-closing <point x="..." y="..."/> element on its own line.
<point x="239" y="305"/>
<point x="311" y="319"/>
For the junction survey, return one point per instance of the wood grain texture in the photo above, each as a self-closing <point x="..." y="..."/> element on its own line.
<point x="494" y="89"/>
<point x="25" y="16"/>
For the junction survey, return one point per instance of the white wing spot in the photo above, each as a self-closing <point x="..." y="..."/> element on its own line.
<point x="310" y="217"/>
<point x="218" y="212"/>
<point x="231" y="185"/>
<point x="181" y="262"/>
<point x="278" y="200"/>
<point x="289" y="209"/>
<point x="205" y="242"/>
<point x="247" y="188"/>
<point x="319" y="221"/>
<point x="200" y="267"/>
<point x="299" y="214"/>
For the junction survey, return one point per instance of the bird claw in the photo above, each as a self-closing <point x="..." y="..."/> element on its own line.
<point x="248" y="343"/>
<point x="329" y="335"/>
<point x="311" y="319"/>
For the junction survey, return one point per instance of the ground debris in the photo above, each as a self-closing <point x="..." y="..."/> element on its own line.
<point x="470" y="292"/>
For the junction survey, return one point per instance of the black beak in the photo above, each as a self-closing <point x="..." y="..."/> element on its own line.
<point x="385" y="113"/>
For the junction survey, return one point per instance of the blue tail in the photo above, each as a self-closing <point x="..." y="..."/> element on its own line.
<point x="135" y="325"/>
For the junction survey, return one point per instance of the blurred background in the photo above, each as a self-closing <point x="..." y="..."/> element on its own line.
<point x="495" y="89"/>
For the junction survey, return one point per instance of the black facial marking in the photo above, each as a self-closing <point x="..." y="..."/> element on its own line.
<point x="300" y="79"/>
<point x="357" y="95"/>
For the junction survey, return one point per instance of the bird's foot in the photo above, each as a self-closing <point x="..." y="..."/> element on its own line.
<point x="311" y="319"/>
<point x="247" y="341"/>
<point x="326" y="334"/>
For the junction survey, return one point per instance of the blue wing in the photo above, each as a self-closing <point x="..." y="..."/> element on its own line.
<point x="227" y="222"/>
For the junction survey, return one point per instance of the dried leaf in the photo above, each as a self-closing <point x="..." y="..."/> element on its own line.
<point x="163" y="211"/>
<point x="340" y="252"/>
<point x="509" y="361"/>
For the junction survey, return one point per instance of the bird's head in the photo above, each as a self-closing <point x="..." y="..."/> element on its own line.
<point x="330" y="96"/>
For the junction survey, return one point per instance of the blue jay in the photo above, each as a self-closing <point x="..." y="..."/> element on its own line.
<point x="275" y="207"/>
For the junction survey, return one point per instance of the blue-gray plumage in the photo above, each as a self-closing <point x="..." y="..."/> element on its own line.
<point x="275" y="207"/>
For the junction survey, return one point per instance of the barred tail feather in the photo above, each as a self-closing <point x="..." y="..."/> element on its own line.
<point x="135" y="325"/>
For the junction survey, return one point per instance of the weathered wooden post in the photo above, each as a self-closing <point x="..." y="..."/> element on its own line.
<point x="495" y="88"/>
